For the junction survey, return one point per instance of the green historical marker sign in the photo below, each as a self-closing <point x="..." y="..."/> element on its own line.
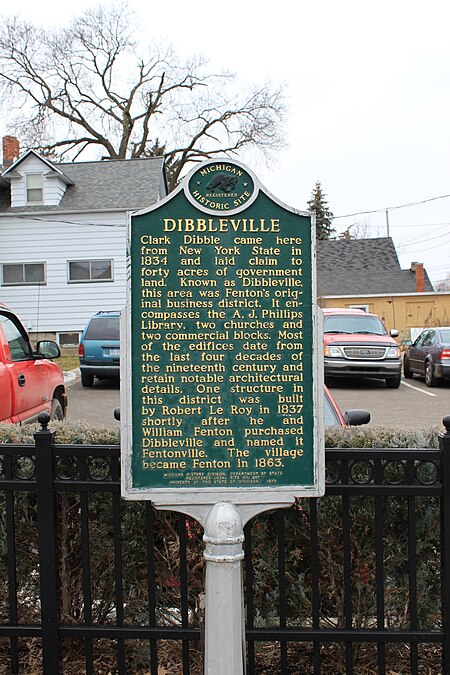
<point x="222" y="394"/>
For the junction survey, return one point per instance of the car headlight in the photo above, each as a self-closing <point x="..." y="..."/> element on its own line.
<point x="332" y="351"/>
<point x="393" y="353"/>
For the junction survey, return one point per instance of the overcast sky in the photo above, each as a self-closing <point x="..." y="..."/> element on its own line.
<point x="369" y="101"/>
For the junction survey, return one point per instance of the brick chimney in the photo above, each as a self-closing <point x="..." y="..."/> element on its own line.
<point x="417" y="268"/>
<point x="11" y="150"/>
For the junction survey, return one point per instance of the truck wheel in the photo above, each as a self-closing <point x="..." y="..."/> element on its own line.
<point x="394" y="382"/>
<point x="87" y="380"/>
<point x="56" y="411"/>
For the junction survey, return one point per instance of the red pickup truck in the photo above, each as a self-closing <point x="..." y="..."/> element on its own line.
<point x="30" y="383"/>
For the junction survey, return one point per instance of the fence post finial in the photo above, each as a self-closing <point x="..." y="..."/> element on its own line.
<point x="446" y="423"/>
<point x="44" y="420"/>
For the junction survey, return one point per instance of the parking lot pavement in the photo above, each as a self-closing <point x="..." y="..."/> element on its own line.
<point x="94" y="405"/>
<point x="412" y="405"/>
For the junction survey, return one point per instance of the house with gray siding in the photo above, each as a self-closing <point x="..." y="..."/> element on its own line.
<point x="63" y="236"/>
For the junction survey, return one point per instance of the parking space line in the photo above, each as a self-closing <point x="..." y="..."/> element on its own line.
<point x="428" y="393"/>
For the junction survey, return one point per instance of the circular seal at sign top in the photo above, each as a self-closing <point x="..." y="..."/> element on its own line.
<point x="221" y="187"/>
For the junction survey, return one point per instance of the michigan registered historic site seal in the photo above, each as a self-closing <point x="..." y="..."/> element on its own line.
<point x="221" y="187"/>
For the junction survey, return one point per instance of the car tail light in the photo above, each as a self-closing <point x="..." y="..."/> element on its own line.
<point x="81" y="350"/>
<point x="445" y="354"/>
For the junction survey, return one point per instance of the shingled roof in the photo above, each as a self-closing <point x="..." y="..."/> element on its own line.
<point x="362" y="267"/>
<point x="125" y="184"/>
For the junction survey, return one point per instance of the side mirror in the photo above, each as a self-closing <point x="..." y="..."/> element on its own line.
<point x="355" y="418"/>
<point x="393" y="332"/>
<point x="117" y="414"/>
<point x="48" y="349"/>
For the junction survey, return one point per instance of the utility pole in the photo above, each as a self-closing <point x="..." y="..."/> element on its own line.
<point x="387" y="223"/>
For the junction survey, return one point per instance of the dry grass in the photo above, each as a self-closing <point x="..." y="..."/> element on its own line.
<point x="69" y="358"/>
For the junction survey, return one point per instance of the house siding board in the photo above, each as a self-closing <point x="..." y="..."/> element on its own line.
<point x="63" y="306"/>
<point x="18" y="196"/>
<point x="54" y="190"/>
<point x="31" y="164"/>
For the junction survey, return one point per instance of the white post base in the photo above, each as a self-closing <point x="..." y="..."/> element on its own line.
<point x="224" y="606"/>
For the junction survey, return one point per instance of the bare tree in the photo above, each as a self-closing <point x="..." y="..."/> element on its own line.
<point x="362" y="229"/>
<point x="91" y="85"/>
<point x="443" y="284"/>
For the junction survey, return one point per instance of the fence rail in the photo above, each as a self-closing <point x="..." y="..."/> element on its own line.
<point x="355" y="582"/>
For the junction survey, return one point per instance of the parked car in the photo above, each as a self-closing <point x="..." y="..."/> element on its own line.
<point x="30" y="383"/>
<point x="99" y="349"/>
<point x="357" y="344"/>
<point x="429" y="356"/>
<point x="334" y="417"/>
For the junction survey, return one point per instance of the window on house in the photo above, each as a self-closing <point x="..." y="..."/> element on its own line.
<point x="26" y="274"/>
<point x="90" y="270"/>
<point x="35" y="188"/>
<point x="68" y="339"/>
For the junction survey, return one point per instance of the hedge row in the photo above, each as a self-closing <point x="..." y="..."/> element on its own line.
<point x="335" y="437"/>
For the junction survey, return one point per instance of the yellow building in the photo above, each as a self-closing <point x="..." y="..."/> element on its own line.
<point x="408" y="313"/>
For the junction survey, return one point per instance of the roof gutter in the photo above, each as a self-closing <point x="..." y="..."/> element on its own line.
<point x="382" y="295"/>
<point x="64" y="212"/>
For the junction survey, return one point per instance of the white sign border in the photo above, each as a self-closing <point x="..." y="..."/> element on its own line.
<point x="180" y="498"/>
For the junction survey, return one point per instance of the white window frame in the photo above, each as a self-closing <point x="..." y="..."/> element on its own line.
<point x="76" y="334"/>
<point x="365" y="308"/>
<point x="24" y="282"/>
<point x="90" y="280"/>
<point x="34" y="188"/>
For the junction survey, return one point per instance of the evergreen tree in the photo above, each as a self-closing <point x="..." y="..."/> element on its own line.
<point x="324" y="217"/>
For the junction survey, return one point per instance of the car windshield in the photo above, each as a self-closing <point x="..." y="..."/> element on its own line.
<point x="103" y="328"/>
<point x="331" y="416"/>
<point x="345" y="323"/>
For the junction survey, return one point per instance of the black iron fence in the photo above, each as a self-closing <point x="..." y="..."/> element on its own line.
<point x="355" y="582"/>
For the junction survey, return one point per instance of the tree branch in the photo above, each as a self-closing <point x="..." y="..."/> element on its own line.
<point x="91" y="85"/>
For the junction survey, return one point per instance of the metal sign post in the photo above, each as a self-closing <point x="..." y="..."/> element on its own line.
<point x="222" y="387"/>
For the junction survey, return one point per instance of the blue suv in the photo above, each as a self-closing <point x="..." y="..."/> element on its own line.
<point x="99" y="349"/>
